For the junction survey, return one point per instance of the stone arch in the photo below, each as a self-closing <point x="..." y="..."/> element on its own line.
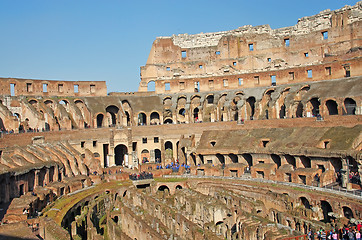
<point x="306" y="162"/>
<point x="158" y="156"/>
<point x="276" y="159"/>
<point x="99" y="118"/>
<point x="151" y="86"/>
<point x="128" y="114"/>
<point x="33" y="102"/>
<point x="2" y="126"/>
<point x="120" y="154"/>
<point x="210" y="99"/>
<point x="234" y="108"/>
<point x="332" y="107"/>
<point x="178" y="187"/>
<point x="167" y="121"/>
<point x="350" y="106"/>
<point x="167" y="101"/>
<point x="290" y="160"/>
<point x="163" y="188"/>
<point x="315" y="103"/>
<point x="154" y="118"/>
<point x="196" y="114"/>
<point x="250" y="107"/>
<point x="248" y="158"/>
<point x="326" y="208"/>
<point x="113" y="111"/>
<point x="299" y="111"/>
<point x="145" y="156"/>
<point x="233" y="157"/>
<point x="305" y="202"/>
<point x="347" y="212"/>
<point x="221" y="158"/>
<point x="168" y="150"/>
<point x="181" y="101"/>
<point x="142" y="119"/>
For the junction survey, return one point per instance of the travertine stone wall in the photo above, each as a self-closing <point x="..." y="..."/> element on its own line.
<point x="319" y="47"/>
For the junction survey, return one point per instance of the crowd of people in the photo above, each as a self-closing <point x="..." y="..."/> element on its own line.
<point x="141" y="176"/>
<point x="351" y="232"/>
<point x="175" y="167"/>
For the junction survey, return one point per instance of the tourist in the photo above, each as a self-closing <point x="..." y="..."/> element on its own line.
<point x="358" y="235"/>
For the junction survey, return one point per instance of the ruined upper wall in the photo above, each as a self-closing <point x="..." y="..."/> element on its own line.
<point x="323" y="20"/>
<point x="201" y="62"/>
<point x="30" y="87"/>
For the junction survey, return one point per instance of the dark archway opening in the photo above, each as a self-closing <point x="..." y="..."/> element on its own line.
<point x="332" y="107"/>
<point x="299" y="112"/>
<point x="282" y="111"/>
<point x="350" y="106"/>
<point x="141" y="119"/>
<point x="99" y="120"/>
<point x="120" y="153"/>
<point x="326" y="208"/>
<point x="276" y="159"/>
<point x="305" y="202"/>
<point x="315" y="106"/>
<point x="248" y="158"/>
<point x="251" y="107"/>
<point x="347" y="212"/>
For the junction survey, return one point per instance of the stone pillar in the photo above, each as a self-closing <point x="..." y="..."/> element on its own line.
<point x="46" y="177"/>
<point x="152" y="156"/>
<point x="56" y="173"/>
<point x="36" y="178"/>
<point x="345" y="173"/>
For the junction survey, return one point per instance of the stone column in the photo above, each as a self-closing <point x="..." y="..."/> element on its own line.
<point x="36" y="178"/>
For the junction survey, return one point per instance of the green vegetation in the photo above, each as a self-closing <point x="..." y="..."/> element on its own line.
<point x="170" y="179"/>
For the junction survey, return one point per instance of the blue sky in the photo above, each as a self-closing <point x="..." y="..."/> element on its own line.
<point x="109" y="40"/>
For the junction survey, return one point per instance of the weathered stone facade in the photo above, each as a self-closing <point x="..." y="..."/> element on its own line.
<point x="266" y="121"/>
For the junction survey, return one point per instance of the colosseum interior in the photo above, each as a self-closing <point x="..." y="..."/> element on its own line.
<point x="253" y="133"/>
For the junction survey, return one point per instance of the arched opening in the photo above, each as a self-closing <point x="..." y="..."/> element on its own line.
<point x="151" y="86"/>
<point x="251" y="107"/>
<point x="233" y="158"/>
<point x="163" y="188"/>
<point x="276" y="159"/>
<point x="315" y="106"/>
<point x="113" y="111"/>
<point x="350" y="106"/>
<point x="210" y="99"/>
<point x="347" y="212"/>
<point x="141" y="119"/>
<point x="100" y="120"/>
<point x="248" y="158"/>
<point x="290" y="160"/>
<point x="2" y="126"/>
<point x="128" y="118"/>
<point x="145" y="156"/>
<point x="168" y="150"/>
<point x="121" y="155"/>
<point x="221" y="158"/>
<point x="336" y="163"/>
<point x="155" y="118"/>
<point x="196" y="114"/>
<point x="167" y="121"/>
<point x="326" y="208"/>
<point x="332" y="107"/>
<point x="299" y="112"/>
<point x="158" y="158"/>
<point x="282" y="112"/>
<point x="305" y="161"/>
<point x="178" y="187"/>
<point x="304" y="201"/>
<point x="167" y="102"/>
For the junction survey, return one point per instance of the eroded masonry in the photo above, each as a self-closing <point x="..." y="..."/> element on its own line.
<point x="253" y="133"/>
